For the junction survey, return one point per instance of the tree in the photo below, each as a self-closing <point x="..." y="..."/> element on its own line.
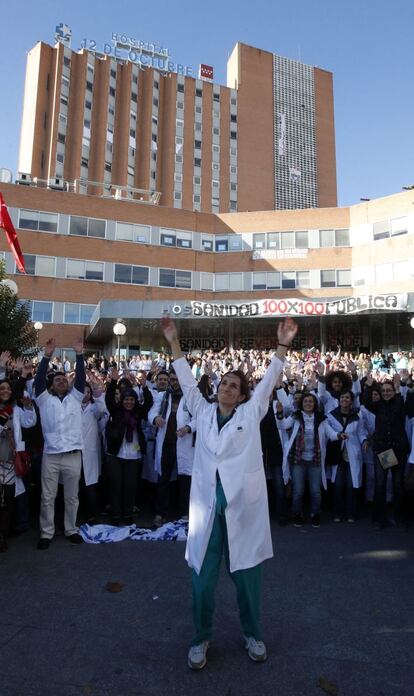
<point x="17" y="333"/>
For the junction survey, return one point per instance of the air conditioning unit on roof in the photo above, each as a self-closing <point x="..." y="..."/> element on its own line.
<point x="56" y="183"/>
<point x="23" y="178"/>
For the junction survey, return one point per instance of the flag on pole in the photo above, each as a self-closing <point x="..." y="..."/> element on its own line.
<point x="7" y="225"/>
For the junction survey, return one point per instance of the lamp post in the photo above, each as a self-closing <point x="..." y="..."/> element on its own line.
<point x="119" y="330"/>
<point x="38" y="326"/>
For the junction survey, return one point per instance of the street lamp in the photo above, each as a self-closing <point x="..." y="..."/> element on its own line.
<point x="412" y="323"/>
<point x="38" y="326"/>
<point x="119" y="330"/>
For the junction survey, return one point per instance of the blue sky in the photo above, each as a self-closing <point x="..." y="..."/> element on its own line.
<point x="367" y="45"/>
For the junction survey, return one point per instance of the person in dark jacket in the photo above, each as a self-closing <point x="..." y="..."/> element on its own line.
<point x="272" y="448"/>
<point x="125" y="447"/>
<point x="389" y="434"/>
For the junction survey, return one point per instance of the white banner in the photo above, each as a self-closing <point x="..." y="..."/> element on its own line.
<point x="294" y="307"/>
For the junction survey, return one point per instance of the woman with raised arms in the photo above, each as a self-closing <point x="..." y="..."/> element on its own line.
<point x="228" y="501"/>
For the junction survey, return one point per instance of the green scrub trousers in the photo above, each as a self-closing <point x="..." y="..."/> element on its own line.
<point x="248" y="582"/>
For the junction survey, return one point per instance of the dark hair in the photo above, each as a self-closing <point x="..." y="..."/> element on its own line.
<point x="162" y="372"/>
<point x="244" y="383"/>
<point x="389" y="383"/>
<point x="347" y="391"/>
<point x="343" y="376"/>
<point x="12" y="395"/>
<point x="88" y="386"/>
<point x="315" y="400"/>
<point x="204" y="387"/>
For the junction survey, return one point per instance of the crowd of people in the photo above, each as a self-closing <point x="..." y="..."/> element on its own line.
<point x="120" y="436"/>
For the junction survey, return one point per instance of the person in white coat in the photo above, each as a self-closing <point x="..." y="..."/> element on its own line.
<point x="186" y="433"/>
<point x="346" y="462"/>
<point x="304" y="455"/>
<point x="228" y="501"/>
<point x="94" y="418"/>
<point x="163" y="415"/>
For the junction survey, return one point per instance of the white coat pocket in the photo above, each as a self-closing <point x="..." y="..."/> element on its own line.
<point x="253" y="486"/>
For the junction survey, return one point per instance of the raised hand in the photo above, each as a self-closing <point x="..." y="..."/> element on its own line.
<point x="18" y="364"/>
<point x="4" y="358"/>
<point x="169" y="329"/>
<point x="78" y="346"/>
<point x="49" y="347"/>
<point x="286" y="331"/>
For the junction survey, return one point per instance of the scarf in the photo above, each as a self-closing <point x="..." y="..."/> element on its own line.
<point x="130" y="419"/>
<point x="300" y="444"/>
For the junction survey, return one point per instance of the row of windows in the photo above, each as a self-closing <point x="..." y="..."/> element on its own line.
<point x="299" y="240"/>
<point x="72" y="313"/>
<point x="77" y="269"/>
<point x="94" y="227"/>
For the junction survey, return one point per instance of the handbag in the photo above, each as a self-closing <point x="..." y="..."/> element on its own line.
<point x="22" y="463"/>
<point x="387" y="459"/>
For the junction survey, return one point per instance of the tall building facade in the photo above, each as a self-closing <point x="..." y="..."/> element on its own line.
<point x="98" y="124"/>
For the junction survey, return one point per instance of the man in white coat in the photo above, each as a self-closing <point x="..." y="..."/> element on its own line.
<point x="228" y="500"/>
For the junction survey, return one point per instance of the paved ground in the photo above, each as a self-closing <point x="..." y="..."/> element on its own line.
<point x="338" y="606"/>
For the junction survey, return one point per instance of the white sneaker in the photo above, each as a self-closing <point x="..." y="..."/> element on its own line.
<point x="197" y="655"/>
<point x="256" y="649"/>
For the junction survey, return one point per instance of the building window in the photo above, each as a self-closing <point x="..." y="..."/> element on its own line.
<point x="112" y="91"/>
<point x="169" y="278"/>
<point x="113" y="73"/>
<point x="222" y="245"/>
<point x="127" y="232"/>
<point x="399" y="226"/>
<point x="333" y="278"/>
<point x="207" y="244"/>
<point x="36" y="220"/>
<point x="167" y="239"/>
<point x="87" y="227"/>
<point x="77" y="313"/>
<point x="343" y="278"/>
<point x="301" y="240"/>
<point x="266" y="281"/>
<point x="326" y="238"/>
<point x="180" y="88"/>
<point x="341" y="238"/>
<point x="135" y="275"/>
<point x="84" y="270"/>
<point x="259" y="241"/>
<point x="41" y="311"/>
<point x="289" y="280"/>
<point x="287" y="240"/>
<point x="198" y="92"/>
<point x="88" y="104"/>
<point x="184" y="240"/>
<point x="89" y="86"/>
<point x="328" y="279"/>
<point x="197" y="161"/>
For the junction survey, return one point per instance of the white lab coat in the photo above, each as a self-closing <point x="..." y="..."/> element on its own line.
<point x="92" y="445"/>
<point x="324" y="432"/>
<point x="26" y="418"/>
<point x="357" y="433"/>
<point x="236" y="454"/>
<point x="184" y="445"/>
